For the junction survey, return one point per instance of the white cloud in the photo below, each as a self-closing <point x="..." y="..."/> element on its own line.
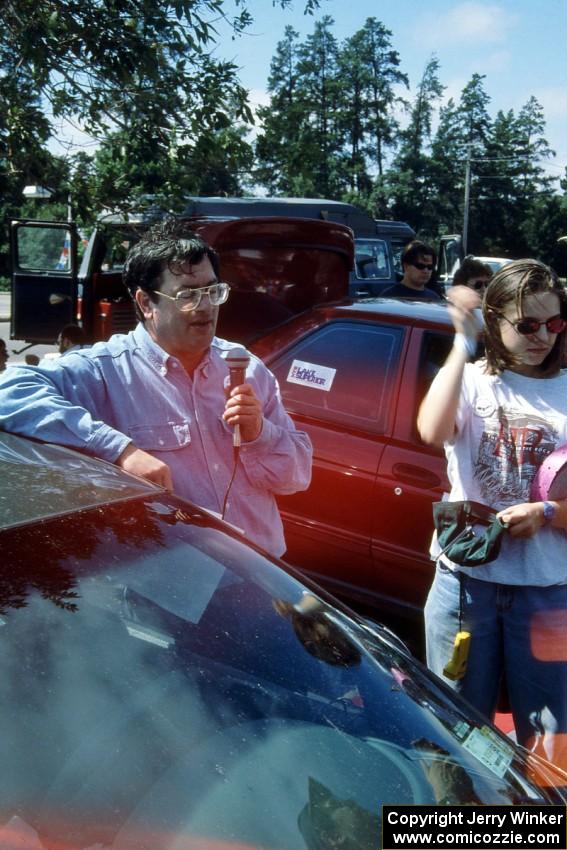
<point x="69" y="138"/>
<point x="467" y="23"/>
<point x="554" y="101"/>
<point x="258" y="97"/>
<point x="454" y="88"/>
<point x="495" y="62"/>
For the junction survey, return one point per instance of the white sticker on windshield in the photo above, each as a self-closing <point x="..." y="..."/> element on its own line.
<point x="311" y="375"/>
<point x="487" y="747"/>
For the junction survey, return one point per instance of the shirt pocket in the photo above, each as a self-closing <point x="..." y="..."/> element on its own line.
<point x="161" y="438"/>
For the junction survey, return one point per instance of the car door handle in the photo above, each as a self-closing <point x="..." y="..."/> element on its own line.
<point x="59" y="298"/>
<point x="411" y="474"/>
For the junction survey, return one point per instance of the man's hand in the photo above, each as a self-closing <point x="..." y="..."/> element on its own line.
<point x="523" y="520"/>
<point x="244" y="409"/>
<point x="145" y="465"/>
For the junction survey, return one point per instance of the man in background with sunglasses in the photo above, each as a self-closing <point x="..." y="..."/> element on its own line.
<point x="474" y="274"/>
<point x="156" y="403"/>
<point x="418" y="262"/>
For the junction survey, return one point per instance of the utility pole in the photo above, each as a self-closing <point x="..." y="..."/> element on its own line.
<point x="467" y="199"/>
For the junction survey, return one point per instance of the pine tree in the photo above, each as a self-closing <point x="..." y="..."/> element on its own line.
<point x="477" y="128"/>
<point x="369" y="73"/>
<point x="321" y="141"/>
<point x="409" y="182"/>
<point x="518" y="188"/>
<point x="278" y="145"/>
<point x="447" y="169"/>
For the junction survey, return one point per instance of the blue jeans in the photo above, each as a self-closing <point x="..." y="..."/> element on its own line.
<point x="519" y="635"/>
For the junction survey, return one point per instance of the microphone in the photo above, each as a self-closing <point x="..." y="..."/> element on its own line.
<point x="237" y="361"/>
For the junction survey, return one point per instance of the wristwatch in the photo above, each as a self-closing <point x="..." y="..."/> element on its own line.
<point x="548" y="512"/>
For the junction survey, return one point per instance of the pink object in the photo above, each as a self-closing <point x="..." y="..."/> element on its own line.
<point x="550" y="481"/>
<point x="505" y="723"/>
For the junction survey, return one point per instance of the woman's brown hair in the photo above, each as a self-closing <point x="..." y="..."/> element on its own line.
<point x="512" y="284"/>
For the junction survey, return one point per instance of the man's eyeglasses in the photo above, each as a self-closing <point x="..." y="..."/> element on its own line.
<point x="423" y="266"/>
<point x="477" y="284"/>
<point x="525" y="327"/>
<point x="188" y="300"/>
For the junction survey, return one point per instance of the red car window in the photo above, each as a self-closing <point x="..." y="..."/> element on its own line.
<point x="343" y="372"/>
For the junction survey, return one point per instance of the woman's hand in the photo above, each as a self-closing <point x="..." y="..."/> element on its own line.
<point x="524" y="520"/>
<point x="438" y="410"/>
<point x="462" y="302"/>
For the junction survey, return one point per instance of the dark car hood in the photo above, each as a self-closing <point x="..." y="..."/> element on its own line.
<point x="40" y="480"/>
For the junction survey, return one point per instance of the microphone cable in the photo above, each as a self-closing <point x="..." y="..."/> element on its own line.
<point x="236" y="455"/>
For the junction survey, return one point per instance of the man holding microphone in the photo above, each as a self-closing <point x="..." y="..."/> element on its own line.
<point x="155" y="402"/>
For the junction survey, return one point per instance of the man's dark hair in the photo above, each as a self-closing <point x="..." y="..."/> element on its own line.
<point x="470" y="268"/>
<point x="414" y="250"/>
<point x="169" y="244"/>
<point x="74" y="334"/>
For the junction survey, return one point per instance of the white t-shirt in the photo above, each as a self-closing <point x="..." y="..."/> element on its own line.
<point x="506" y="425"/>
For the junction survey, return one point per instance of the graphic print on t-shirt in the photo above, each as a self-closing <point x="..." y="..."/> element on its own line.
<point x="511" y="448"/>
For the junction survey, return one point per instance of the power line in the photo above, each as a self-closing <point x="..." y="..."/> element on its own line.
<point x="502" y="177"/>
<point x="518" y="158"/>
<point x="502" y="158"/>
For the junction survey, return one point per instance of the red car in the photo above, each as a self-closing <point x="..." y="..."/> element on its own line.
<point x="352" y="375"/>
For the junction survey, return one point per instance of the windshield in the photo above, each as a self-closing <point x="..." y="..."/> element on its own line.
<point x="495" y="265"/>
<point x="164" y="683"/>
<point x="117" y="242"/>
<point x="371" y="259"/>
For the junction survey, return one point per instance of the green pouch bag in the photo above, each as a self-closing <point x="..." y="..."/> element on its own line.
<point x="459" y="540"/>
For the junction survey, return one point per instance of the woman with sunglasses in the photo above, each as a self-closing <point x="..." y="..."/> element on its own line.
<point x="498" y="418"/>
<point x="474" y="274"/>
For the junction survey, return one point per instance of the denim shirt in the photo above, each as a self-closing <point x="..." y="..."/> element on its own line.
<point x="129" y="390"/>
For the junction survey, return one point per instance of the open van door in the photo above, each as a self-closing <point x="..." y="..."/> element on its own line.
<point x="277" y="268"/>
<point x="44" y="278"/>
<point x="450" y="257"/>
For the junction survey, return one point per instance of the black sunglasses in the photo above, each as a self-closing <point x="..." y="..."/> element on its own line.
<point x="423" y="266"/>
<point x="477" y="284"/>
<point x="525" y="327"/>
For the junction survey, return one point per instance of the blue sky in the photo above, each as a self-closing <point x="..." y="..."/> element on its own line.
<point x="519" y="46"/>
